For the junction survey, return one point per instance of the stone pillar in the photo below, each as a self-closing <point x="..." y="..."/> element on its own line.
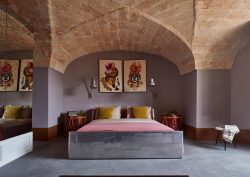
<point x="47" y="102"/>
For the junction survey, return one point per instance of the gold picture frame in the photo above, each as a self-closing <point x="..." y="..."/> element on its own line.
<point x="135" y="75"/>
<point x="110" y="76"/>
<point x="9" y="75"/>
<point x="26" y="75"/>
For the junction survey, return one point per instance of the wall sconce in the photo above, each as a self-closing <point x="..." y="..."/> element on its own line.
<point x="90" y="87"/>
<point x="152" y="82"/>
<point x="151" y="86"/>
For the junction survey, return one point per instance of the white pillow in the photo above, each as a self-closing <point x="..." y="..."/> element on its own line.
<point x="116" y="113"/>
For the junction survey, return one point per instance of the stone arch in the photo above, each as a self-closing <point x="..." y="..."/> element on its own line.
<point x="124" y="29"/>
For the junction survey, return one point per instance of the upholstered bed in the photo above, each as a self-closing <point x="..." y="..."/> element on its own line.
<point x="14" y="127"/>
<point x="16" y="138"/>
<point x="125" y="138"/>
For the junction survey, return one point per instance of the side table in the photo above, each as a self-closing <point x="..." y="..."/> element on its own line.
<point x="73" y="123"/>
<point x="173" y="122"/>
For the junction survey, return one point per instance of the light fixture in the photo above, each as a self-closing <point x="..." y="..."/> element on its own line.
<point x="151" y="86"/>
<point x="93" y="84"/>
<point x="90" y="87"/>
<point x="152" y="82"/>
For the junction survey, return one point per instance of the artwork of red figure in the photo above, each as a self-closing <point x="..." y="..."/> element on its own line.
<point x="6" y="74"/>
<point x="134" y="78"/>
<point x="27" y="78"/>
<point x="135" y="75"/>
<point x="110" y="79"/>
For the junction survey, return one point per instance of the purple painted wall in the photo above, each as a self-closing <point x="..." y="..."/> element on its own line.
<point x="16" y="98"/>
<point x="240" y="89"/>
<point x="169" y="87"/>
<point x="190" y="98"/>
<point x="207" y="98"/>
<point x="47" y="97"/>
<point x="213" y="98"/>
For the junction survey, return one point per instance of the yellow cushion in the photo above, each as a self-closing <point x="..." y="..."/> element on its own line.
<point x="105" y="113"/>
<point x="141" y="112"/>
<point x="12" y="112"/>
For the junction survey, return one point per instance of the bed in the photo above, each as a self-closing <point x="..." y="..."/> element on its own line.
<point x="14" y="127"/>
<point x="125" y="139"/>
<point x="16" y="139"/>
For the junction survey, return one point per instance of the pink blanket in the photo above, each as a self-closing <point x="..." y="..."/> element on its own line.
<point x="125" y="126"/>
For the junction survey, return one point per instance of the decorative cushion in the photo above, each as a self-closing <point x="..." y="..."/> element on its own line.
<point x="12" y="112"/>
<point x="116" y="113"/>
<point x="1" y="111"/>
<point x="26" y="113"/>
<point x="141" y="112"/>
<point x="105" y="113"/>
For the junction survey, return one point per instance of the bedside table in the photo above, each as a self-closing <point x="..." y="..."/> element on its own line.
<point x="73" y="123"/>
<point x="173" y="122"/>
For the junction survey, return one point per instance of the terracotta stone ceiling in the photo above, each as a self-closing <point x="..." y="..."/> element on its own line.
<point x="131" y="25"/>
<point x="18" y="36"/>
<point x="200" y="34"/>
<point x="222" y="29"/>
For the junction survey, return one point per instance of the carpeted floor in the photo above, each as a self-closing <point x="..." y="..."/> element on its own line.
<point x="201" y="159"/>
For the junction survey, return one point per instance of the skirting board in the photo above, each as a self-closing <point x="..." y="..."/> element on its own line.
<point x="13" y="148"/>
<point x="45" y="134"/>
<point x="209" y="134"/>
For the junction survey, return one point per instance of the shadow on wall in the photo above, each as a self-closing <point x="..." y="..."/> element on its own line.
<point x="169" y="84"/>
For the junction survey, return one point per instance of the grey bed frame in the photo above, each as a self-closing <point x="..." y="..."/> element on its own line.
<point x="125" y="145"/>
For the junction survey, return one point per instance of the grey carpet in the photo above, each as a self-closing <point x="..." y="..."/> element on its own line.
<point x="201" y="159"/>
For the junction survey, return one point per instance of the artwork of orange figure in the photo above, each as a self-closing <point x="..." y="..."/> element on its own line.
<point x="134" y="78"/>
<point x="111" y="81"/>
<point x="27" y="80"/>
<point x="6" y="75"/>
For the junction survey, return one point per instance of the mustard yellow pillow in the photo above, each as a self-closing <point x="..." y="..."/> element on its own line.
<point x="142" y="112"/>
<point x="12" y="112"/>
<point x="105" y="113"/>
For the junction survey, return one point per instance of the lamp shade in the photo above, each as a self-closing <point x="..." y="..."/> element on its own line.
<point x="93" y="84"/>
<point x="152" y="82"/>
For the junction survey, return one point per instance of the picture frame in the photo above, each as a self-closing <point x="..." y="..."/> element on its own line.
<point x="9" y="75"/>
<point x="110" y="76"/>
<point x="135" y="75"/>
<point x="26" y="75"/>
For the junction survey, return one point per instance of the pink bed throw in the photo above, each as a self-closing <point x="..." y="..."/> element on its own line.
<point x="125" y="125"/>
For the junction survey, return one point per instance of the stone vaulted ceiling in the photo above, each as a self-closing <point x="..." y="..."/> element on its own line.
<point x="18" y="36"/>
<point x="200" y="34"/>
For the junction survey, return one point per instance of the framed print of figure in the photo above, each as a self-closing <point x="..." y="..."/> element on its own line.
<point x="110" y="76"/>
<point x="135" y="76"/>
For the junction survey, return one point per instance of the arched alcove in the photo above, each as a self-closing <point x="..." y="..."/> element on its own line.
<point x="169" y="89"/>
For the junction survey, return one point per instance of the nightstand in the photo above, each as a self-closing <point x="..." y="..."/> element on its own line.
<point x="173" y="122"/>
<point x="73" y="123"/>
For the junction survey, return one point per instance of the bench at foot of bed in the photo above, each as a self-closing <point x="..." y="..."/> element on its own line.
<point x="125" y="145"/>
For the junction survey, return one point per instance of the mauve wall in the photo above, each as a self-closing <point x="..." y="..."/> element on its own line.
<point x="190" y="98"/>
<point x="207" y="98"/>
<point x="17" y="98"/>
<point x="240" y="90"/>
<point x="213" y="98"/>
<point x="47" y="97"/>
<point x="169" y="87"/>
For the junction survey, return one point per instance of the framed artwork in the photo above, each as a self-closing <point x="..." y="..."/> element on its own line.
<point x="110" y="76"/>
<point x="135" y="76"/>
<point x="26" y="75"/>
<point x="9" y="75"/>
